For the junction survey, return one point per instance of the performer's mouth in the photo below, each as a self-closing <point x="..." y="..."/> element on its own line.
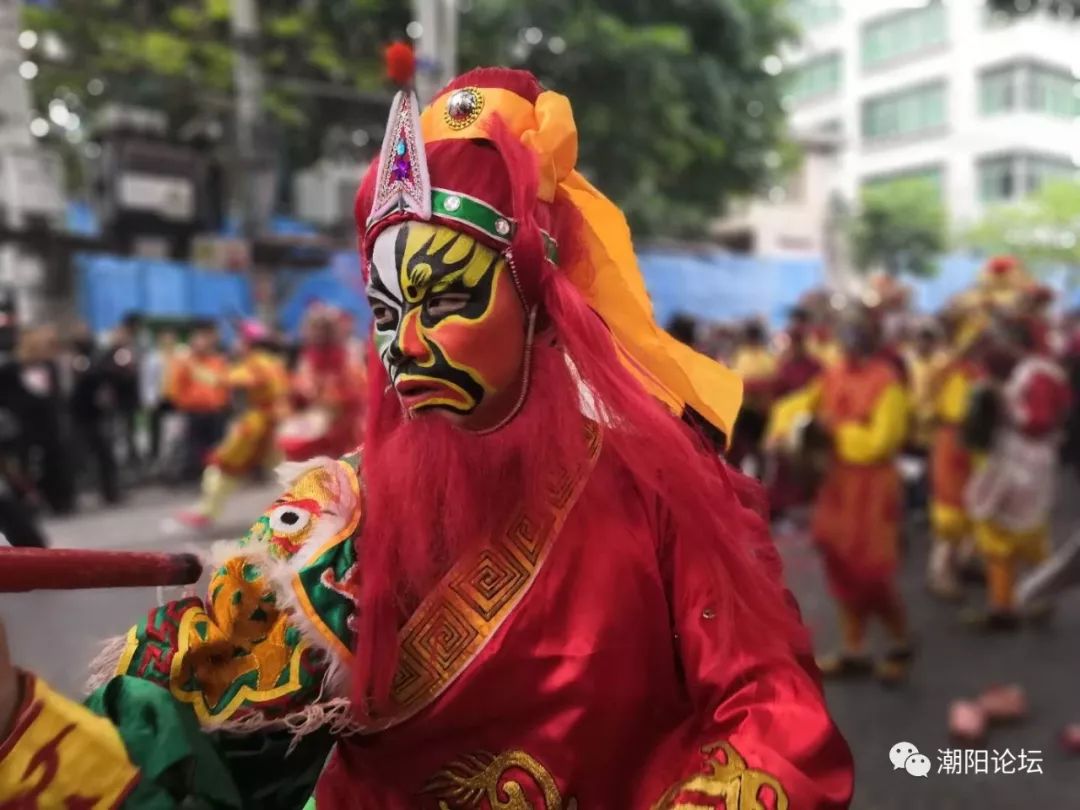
<point x="414" y="392"/>
<point x="421" y="392"/>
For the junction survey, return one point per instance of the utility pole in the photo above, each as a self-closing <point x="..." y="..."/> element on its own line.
<point x="247" y="76"/>
<point x="436" y="48"/>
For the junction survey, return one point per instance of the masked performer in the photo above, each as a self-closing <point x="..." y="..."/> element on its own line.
<point x="950" y="389"/>
<point x="199" y="386"/>
<point x="755" y="364"/>
<point x="561" y="600"/>
<point x="860" y="405"/>
<point x="328" y="387"/>
<point x="789" y="483"/>
<point x="258" y="379"/>
<point x="1011" y="493"/>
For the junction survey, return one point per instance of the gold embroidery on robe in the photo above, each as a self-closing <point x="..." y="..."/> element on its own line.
<point x="455" y="622"/>
<point x="483" y="780"/>
<point x="740" y="787"/>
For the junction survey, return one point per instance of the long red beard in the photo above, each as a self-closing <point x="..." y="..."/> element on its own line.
<point x="434" y="493"/>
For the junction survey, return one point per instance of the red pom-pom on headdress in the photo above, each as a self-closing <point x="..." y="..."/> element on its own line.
<point x="400" y="63"/>
<point x="1001" y="265"/>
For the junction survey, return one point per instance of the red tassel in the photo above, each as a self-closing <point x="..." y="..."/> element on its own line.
<point x="400" y="63"/>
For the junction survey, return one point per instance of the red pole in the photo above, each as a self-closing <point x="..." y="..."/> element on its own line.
<point x="47" y="569"/>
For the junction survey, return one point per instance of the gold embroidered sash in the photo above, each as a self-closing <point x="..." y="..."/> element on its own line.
<point x="455" y="622"/>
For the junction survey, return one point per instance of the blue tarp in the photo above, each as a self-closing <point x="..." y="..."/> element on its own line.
<point x="721" y="287"/>
<point x="81" y="218"/>
<point x="711" y="285"/>
<point x="340" y="284"/>
<point x="112" y="286"/>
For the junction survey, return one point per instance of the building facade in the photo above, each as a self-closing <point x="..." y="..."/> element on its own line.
<point x="983" y="105"/>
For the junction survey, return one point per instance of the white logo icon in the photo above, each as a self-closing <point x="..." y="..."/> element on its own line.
<point x="906" y="756"/>
<point x="917" y="765"/>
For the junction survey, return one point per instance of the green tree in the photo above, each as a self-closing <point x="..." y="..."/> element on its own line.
<point x="1042" y="230"/>
<point x="674" y="108"/>
<point x="900" y="227"/>
<point x="177" y="56"/>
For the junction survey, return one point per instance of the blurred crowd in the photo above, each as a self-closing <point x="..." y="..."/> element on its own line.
<point x="865" y="420"/>
<point x="167" y="403"/>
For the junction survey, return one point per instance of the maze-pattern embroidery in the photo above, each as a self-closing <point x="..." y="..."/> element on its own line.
<point x="454" y="623"/>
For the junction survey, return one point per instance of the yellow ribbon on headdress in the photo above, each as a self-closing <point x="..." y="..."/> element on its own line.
<point x="607" y="273"/>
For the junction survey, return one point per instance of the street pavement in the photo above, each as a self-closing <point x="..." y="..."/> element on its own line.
<point x="56" y="634"/>
<point x="954" y="662"/>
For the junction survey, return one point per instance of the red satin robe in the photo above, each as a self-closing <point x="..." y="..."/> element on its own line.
<point x="607" y="689"/>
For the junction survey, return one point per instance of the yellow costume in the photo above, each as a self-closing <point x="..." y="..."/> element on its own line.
<point x="923" y="371"/>
<point x="754" y="364"/>
<point x="950" y="461"/>
<point x="262" y="379"/>
<point x="856" y="521"/>
<point x="66" y="756"/>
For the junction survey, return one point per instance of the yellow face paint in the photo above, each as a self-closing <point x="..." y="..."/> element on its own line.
<point x="450" y="327"/>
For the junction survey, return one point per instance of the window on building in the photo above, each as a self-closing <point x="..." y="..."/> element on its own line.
<point x="909" y="112"/>
<point x="812" y="13"/>
<point x="930" y="174"/>
<point x="1051" y="91"/>
<point x="833" y="126"/>
<point x="815" y="78"/>
<point x="998" y="179"/>
<point x="1003" y="13"/>
<point x="1029" y="86"/>
<point x="997" y="90"/>
<point x="1009" y="177"/>
<point x="1041" y="169"/>
<point x="904" y="33"/>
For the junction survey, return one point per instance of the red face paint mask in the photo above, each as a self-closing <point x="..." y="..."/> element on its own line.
<point x="450" y="326"/>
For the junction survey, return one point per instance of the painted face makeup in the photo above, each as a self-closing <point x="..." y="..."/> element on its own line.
<point x="450" y="326"/>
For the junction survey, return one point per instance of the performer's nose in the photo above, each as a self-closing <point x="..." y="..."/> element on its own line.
<point x="393" y="355"/>
<point x="409" y="343"/>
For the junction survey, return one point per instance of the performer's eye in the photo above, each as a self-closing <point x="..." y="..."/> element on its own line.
<point x="438" y="306"/>
<point x="289" y="520"/>
<point x="384" y="316"/>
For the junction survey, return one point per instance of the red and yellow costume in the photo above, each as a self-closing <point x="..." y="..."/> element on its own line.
<point x="789" y="485"/>
<point x="260" y="381"/>
<point x="857" y="512"/>
<point x="617" y="635"/>
<point x="58" y="754"/>
<point x="950" y="459"/>
<point x="923" y="373"/>
<point x="950" y="470"/>
<point x="328" y="387"/>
